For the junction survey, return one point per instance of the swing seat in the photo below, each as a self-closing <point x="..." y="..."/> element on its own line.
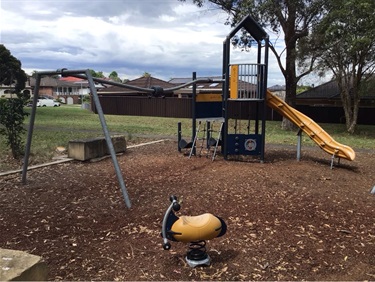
<point x="197" y="228"/>
<point x="212" y="142"/>
<point x="183" y="144"/>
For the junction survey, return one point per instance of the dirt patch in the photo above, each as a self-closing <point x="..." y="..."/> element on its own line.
<point x="287" y="220"/>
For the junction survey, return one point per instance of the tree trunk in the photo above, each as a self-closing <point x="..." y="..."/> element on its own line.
<point x="351" y="123"/>
<point x="290" y="80"/>
<point x="350" y="102"/>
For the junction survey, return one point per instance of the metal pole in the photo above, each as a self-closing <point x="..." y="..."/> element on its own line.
<point x="264" y="98"/>
<point x="299" y="144"/>
<point x="108" y="138"/>
<point x="179" y="135"/>
<point x="194" y="110"/>
<point x="208" y="133"/>
<point x="226" y="61"/>
<point x="148" y="90"/>
<point x="31" y="129"/>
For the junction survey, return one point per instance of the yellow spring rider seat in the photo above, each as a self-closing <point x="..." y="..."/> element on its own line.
<point x="191" y="229"/>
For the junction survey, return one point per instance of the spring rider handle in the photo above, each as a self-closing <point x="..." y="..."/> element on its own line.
<point x="174" y="206"/>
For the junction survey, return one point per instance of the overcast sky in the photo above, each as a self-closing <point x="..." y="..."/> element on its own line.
<point x="166" y="38"/>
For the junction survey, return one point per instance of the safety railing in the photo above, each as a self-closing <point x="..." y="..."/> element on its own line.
<point x="247" y="81"/>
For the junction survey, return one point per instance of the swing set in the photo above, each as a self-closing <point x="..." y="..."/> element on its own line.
<point x="86" y="74"/>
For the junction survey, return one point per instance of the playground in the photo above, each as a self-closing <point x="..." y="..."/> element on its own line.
<point x="287" y="219"/>
<point x="272" y="218"/>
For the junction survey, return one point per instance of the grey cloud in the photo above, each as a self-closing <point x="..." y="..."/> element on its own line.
<point x="142" y="12"/>
<point x="125" y="47"/>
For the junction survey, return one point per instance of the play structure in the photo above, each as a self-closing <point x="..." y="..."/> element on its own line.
<point x="247" y="83"/>
<point x="194" y="230"/>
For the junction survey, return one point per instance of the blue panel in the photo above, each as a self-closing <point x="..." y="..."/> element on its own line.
<point x="244" y="144"/>
<point x="208" y="109"/>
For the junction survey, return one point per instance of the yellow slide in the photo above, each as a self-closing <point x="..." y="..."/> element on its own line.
<point x="311" y="128"/>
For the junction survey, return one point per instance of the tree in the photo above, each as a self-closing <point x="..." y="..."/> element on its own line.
<point x="97" y="74"/>
<point x="295" y="18"/>
<point x="347" y="40"/>
<point x="114" y="76"/>
<point x="12" y="112"/>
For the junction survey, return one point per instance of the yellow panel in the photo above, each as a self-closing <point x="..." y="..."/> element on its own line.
<point x="208" y="97"/>
<point x="234" y="82"/>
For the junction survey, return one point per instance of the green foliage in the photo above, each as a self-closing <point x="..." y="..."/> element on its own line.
<point x="11" y="117"/>
<point x="86" y="99"/>
<point x="368" y="88"/>
<point x="10" y="70"/>
<point x="98" y="74"/>
<point x="114" y="76"/>
<point x="346" y="37"/>
<point x="302" y="88"/>
<point x="12" y="112"/>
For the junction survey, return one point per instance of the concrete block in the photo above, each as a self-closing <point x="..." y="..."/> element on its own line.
<point x="87" y="149"/>
<point x="119" y="144"/>
<point x="21" y="266"/>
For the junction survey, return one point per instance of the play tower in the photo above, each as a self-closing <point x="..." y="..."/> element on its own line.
<point x="245" y="84"/>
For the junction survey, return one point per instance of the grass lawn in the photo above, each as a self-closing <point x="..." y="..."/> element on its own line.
<point x="56" y="126"/>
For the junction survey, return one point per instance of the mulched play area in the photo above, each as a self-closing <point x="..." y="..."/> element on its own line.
<point x="287" y="219"/>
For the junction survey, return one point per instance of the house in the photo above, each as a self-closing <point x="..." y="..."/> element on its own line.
<point x="328" y="94"/>
<point x="278" y="90"/>
<point x="67" y="89"/>
<point x="7" y="91"/>
<point x="202" y="87"/>
<point x="323" y="104"/>
<point x="141" y="82"/>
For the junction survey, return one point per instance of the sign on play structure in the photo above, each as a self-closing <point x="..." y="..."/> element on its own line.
<point x="250" y="144"/>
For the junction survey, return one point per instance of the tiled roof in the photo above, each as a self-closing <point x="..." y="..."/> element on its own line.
<point x="144" y="82"/>
<point x="182" y="80"/>
<point x="149" y="81"/>
<point x="277" y="88"/>
<point x="49" y="81"/>
<point x="70" y="79"/>
<point x="201" y="86"/>
<point x="328" y="90"/>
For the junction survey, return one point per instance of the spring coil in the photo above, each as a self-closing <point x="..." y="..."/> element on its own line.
<point x="197" y="250"/>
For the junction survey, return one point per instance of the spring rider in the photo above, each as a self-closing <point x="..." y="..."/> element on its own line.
<point x="194" y="230"/>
